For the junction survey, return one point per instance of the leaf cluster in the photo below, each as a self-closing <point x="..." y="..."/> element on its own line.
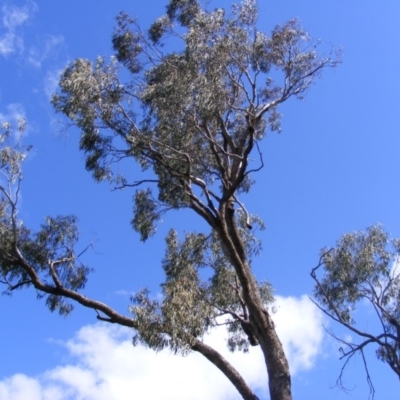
<point x="45" y="258"/>
<point x="192" y="115"/>
<point x="363" y="270"/>
<point x="190" y="304"/>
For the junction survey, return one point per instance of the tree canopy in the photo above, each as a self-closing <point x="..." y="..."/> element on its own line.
<point x="189" y="100"/>
<point x="362" y="270"/>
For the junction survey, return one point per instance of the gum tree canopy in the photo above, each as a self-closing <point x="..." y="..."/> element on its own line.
<point x="362" y="271"/>
<point x="191" y="114"/>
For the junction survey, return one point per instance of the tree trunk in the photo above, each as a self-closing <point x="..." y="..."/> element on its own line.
<point x="279" y="380"/>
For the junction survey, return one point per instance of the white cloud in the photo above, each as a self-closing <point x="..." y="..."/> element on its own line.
<point x="38" y="54"/>
<point x="107" y="367"/>
<point x="299" y="325"/>
<point x="15" y="117"/>
<point x="20" y="387"/>
<point x="9" y="43"/>
<point x="13" y="18"/>
<point x="14" y="113"/>
<point x="51" y="81"/>
<point x="12" y="40"/>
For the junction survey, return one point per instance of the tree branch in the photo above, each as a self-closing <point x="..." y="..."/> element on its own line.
<point x="226" y="368"/>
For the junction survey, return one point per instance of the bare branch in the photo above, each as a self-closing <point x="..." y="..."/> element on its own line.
<point x="226" y="368"/>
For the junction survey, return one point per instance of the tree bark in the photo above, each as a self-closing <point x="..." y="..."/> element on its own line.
<point x="279" y="380"/>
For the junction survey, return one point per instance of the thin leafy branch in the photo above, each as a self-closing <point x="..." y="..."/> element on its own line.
<point x="362" y="271"/>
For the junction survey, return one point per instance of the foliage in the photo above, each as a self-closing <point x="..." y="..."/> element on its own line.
<point x="25" y="256"/>
<point x="192" y="118"/>
<point x="363" y="271"/>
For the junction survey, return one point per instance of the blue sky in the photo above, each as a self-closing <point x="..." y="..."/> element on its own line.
<point x="333" y="169"/>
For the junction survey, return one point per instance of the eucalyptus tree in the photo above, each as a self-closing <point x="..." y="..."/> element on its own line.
<point x="189" y="100"/>
<point x="363" y="271"/>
